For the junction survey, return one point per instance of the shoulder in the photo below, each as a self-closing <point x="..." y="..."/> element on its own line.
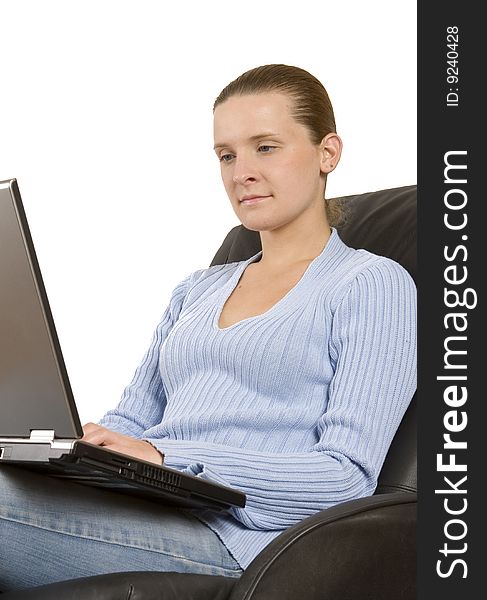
<point x="204" y="282"/>
<point x="383" y="268"/>
<point x="381" y="291"/>
<point x="358" y="272"/>
<point x="214" y="276"/>
<point x="208" y="276"/>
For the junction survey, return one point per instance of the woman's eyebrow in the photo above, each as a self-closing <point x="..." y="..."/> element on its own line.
<point x="252" y="138"/>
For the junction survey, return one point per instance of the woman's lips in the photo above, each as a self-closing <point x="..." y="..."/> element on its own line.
<point x="253" y="199"/>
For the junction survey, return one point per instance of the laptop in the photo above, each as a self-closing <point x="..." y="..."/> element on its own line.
<point x="40" y="427"/>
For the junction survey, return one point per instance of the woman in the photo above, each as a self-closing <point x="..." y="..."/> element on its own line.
<point x="285" y="375"/>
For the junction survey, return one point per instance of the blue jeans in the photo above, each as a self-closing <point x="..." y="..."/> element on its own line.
<point x="53" y="530"/>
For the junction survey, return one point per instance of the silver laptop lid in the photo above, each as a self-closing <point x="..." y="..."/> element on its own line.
<point x="35" y="393"/>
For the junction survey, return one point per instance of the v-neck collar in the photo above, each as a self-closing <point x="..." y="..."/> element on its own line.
<point x="232" y="283"/>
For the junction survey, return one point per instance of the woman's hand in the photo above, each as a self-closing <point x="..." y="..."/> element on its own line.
<point x="101" y="436"/>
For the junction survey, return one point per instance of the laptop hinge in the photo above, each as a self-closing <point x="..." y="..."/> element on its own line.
<point x="42" y="435"/>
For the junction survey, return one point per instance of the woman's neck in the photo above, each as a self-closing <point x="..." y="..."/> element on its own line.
<point x="281" y="249"/>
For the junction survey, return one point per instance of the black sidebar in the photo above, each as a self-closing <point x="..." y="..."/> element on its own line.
<point x="452" y="436"/>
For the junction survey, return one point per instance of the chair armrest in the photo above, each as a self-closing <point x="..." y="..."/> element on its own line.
<point x="358" y="550"/>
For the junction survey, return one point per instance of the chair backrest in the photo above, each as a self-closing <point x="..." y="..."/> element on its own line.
<point x="383" y="222"/>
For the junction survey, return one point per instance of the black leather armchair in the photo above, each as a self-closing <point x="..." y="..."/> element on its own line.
<point x="359" y="550"/>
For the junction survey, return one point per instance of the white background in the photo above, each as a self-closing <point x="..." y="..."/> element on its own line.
<point x="106" y="122"/>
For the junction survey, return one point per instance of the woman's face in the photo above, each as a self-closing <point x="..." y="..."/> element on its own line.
<point x="272" y="172"/>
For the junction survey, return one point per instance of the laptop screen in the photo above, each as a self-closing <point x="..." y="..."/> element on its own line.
<point x="34" y="388"/>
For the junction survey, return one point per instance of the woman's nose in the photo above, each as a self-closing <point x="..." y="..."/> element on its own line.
<point x="241" y="178"/>
<point x="243" y="172"/>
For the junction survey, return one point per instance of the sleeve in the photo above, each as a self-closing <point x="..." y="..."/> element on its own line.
<point x="373" y="350"/>
<point x="143" y="401"/>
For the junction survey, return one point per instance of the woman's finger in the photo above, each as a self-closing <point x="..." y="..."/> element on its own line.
<point x="100" y="436"/>
<point x="90" y="427"/>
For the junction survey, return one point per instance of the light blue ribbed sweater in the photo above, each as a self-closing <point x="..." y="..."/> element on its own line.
<point x="296" y="407"/>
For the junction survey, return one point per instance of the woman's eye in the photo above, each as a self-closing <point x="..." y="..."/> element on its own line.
<point x="226" y="157"/>
<point x="265" y="148"/>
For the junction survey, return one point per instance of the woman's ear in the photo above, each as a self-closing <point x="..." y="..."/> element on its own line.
<point x="331" y="150"/>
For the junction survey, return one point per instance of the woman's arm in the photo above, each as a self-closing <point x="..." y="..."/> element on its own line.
<point x="144" y="400"/>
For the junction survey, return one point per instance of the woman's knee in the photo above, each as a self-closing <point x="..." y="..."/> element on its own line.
<point x="14" y="481"/>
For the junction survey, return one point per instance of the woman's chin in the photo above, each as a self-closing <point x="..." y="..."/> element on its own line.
<point x="256" y="224"/>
